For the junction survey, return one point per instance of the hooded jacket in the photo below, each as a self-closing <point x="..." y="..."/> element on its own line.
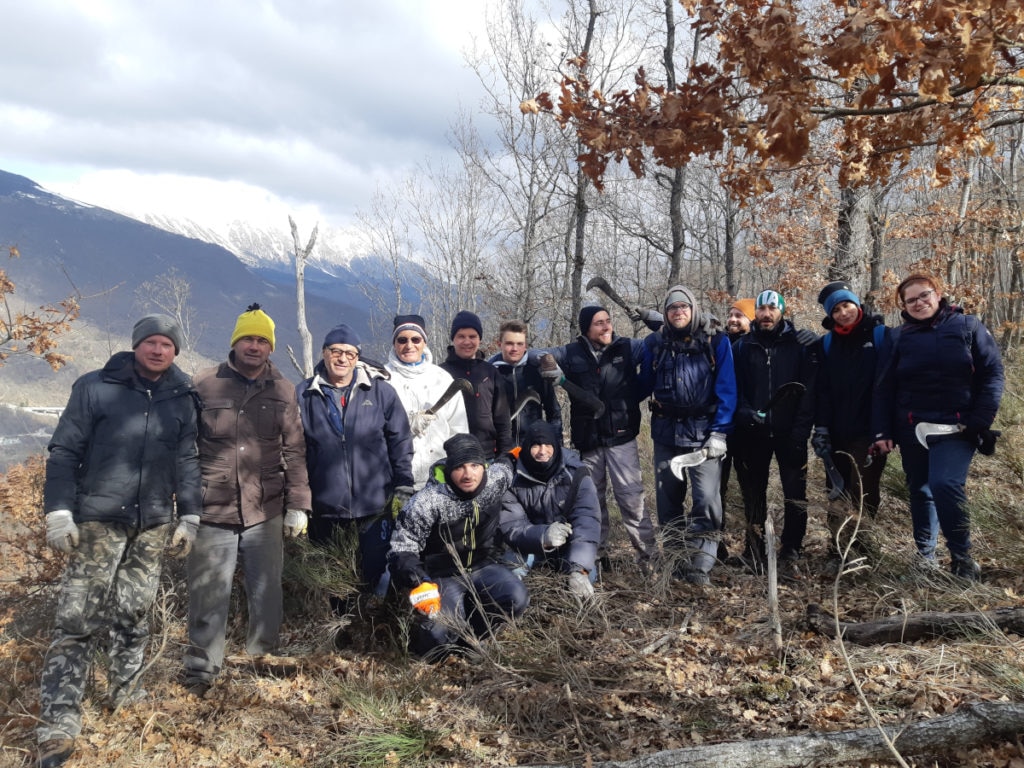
<point x="419" y="386"/>
<point x="436" y="521"/>
<point x="124" y="450"/>
<point x="251" y="451"/>
<point x="692" y="383"/>
<point x="531" y="505"/>
<point x="358" y="455"/>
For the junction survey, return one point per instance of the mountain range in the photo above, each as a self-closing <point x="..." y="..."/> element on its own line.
<point x="102" y="257"/>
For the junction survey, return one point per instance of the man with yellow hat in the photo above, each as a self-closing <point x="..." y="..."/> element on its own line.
<point x="255" y="491"/>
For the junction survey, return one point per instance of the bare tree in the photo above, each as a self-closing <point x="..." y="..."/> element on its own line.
<point x="301" y="256"/>
<point x="171" y="294"/>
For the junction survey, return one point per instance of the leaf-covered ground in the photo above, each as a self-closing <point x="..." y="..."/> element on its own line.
<point x="652" y="665"/>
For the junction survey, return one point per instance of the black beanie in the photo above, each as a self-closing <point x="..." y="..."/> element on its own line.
<point x="466" y="319"/>
<point x="587" y="316"/>
<point x="409" y="323"/>
<point x="462" y="449"/>
<point x="541" y="433"/>
<point x="342" y="334"/>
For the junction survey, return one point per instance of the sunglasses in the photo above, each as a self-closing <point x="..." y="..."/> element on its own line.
<point x="403" y="340"/>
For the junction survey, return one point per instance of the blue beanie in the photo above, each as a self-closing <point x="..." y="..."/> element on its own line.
<point x="837" y="297"/>
<point x="466" y="319"/>
<point x="587" y="316"/>
<point x="342" y="334"/>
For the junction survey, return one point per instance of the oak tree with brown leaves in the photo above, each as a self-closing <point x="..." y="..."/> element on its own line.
<point x="876" y="79"/>
<point x="32" y="332"/>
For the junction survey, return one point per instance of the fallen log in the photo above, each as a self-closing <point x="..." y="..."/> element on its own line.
<point x="970" y="726"/>
<point x="911" y="627"/>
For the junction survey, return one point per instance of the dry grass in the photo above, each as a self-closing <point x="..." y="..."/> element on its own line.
<point x="650" y="665"/>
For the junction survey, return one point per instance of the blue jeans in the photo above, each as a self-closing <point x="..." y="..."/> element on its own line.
<point x="485" y="597"/>
<point x="936" y="479"/>
<point x="702" y="525"/>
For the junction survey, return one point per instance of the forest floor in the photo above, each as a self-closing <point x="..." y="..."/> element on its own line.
<point x="651" y="665"/>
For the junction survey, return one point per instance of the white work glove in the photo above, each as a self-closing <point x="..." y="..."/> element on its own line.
<point x="715" y="447"/>
<point x="549" y="368"/>
<point x="295" y="523"/>
<point x="420" y="422"/>
<point x="61" y="531"/>
<point x="184" y="536"/>
<point x="555" y="535"/>
<point x="579" y="585"/>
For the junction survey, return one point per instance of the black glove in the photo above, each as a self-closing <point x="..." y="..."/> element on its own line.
<point x="821" y="442"/>
<point x="987" y="441"/>
<point x="407" y="570"/>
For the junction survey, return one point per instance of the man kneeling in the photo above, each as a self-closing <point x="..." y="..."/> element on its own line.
<point x="446" y="549"/>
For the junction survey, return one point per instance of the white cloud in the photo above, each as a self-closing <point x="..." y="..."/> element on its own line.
<point x="314" y="100"/>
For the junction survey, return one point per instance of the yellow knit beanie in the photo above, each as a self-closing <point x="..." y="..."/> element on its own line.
<point x="254" y="322"/>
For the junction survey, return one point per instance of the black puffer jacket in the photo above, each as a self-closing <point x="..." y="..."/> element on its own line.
<point x="125" y="448"/>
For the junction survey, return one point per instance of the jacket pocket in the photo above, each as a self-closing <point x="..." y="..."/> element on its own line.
<point x="218" y="418"/>
<point x="270" y="420"/>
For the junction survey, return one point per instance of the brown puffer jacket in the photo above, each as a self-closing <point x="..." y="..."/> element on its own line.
<point x="252" y="452"/>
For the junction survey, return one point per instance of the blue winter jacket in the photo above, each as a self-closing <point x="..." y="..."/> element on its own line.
<point x="692" y="386"/>
<point x="944" y="370"/>
<point x="356" y="459"/>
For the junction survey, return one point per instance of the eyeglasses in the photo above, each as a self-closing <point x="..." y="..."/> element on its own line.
<point x="923" y="296"/>
<point x="678" y="307"/>
<point x="403" y="340"/>
<point x="338" y="354"/>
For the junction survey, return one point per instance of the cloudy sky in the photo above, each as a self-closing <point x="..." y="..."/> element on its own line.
<point x="227" y="103"/>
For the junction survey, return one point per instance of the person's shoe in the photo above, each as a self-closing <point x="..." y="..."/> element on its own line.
<point x="197" y="688"/>
<point x="965" y="568"/>
<point x="55" y="752"/>
<point x="926" y="563"/>
<point x="127" y="698"/>
<point x="697" y="578"/>
<point x="788" y="562"/>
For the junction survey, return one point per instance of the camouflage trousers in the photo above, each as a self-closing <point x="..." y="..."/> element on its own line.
<point x="115" y="569"/>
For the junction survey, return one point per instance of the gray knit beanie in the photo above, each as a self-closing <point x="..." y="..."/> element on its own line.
<point x="157" y="325"/>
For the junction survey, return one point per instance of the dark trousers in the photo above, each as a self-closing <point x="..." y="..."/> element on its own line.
<point x="753" y="457"/>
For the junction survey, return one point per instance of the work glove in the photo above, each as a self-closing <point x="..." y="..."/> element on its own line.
<point x="184" y="536"/>
<point x="821" y="442"/>
<point x="426" y="598"/>
<point x="579" y="585"/>
<point x="555" y="536"/>
<point x="61" y="531"/>
<point x="715" y="446"/>
<point x="420" y="422"/>
<point x="295" y="523"/>
<point x="549" y="368"/>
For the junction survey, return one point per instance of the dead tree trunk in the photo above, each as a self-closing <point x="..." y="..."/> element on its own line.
<point x="969" y="726"/>
<point x="301" y="254"/>
<point x="917" y="626"/>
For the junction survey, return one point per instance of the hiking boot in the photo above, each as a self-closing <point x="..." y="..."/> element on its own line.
<point x="197" y="688"/>
<point x="55" y="752"/>
<point x="965" y="568"/>
<point x="126" y="698"/>
<point x="925" y="563"/>
<point x="697" y="578"/>
<point x="788" y="563"/>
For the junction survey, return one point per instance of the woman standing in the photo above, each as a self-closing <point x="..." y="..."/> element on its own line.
<point x="943" y="369"/>
<point x="848" y="355"/>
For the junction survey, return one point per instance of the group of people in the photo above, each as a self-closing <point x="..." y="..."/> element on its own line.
<point x="454" y="478"/>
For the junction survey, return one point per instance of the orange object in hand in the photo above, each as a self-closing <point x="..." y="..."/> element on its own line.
<point x="426" y="598"/>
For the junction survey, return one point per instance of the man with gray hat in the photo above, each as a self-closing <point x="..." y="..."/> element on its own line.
<point x="122" y="458"/>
